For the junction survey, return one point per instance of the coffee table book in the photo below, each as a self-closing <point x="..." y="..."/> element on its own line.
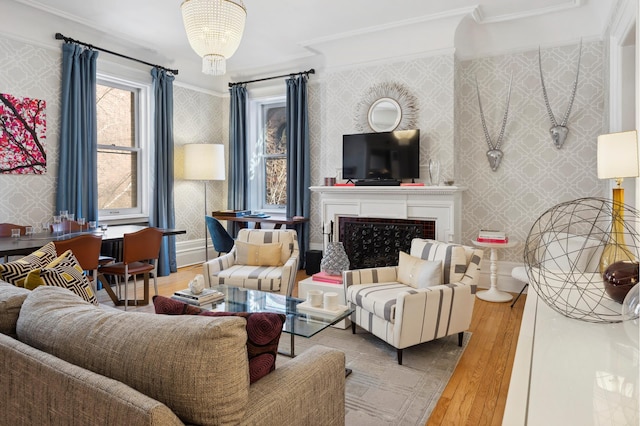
<point x="326" y="278"/>
<point x="207" y="296"/>
<point x="232" y="213"/>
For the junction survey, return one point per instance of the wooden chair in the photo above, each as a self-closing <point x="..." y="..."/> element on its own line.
<point x="86" y="249"/>
<point x="5" y="229"/>
<point x="140" y="251"/>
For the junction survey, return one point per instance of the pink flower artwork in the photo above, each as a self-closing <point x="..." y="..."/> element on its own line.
<point x="23" y="128"/>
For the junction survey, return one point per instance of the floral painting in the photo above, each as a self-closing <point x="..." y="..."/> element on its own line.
<point x="23" y="128"/>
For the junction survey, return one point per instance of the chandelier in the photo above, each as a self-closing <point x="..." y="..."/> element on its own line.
<point x="214" y="29"/>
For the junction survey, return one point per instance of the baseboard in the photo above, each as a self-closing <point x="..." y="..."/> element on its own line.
<point x="192" y="252"/>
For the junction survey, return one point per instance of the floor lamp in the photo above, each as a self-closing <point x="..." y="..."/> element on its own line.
<point x="204" y="162"/>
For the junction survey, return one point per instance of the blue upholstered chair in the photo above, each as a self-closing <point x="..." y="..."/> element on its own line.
<point x="222" y="241"/>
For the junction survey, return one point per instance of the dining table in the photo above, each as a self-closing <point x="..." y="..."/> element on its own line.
<point x="113" y="234"/>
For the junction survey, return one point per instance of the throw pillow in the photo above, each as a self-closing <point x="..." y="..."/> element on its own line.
<point x="453" y="257"/>
<point x="65" y="272"/>
<point x="263" y="332"/>
<point x="258" y="254"/>
<point x="419" y="273"/>
<point x="16" y="271"/>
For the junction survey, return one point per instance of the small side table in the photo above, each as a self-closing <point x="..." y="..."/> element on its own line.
<point x="493" y="294"/>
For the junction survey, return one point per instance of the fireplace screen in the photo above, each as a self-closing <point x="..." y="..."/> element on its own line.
<point x="371" y="242"/>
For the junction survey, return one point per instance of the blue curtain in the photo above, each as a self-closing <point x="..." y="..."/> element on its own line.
<point x="298" y="163"/>
<point x="162" y="214"/>
<point x="238" y="197"/>
<point x="77" y="169"/>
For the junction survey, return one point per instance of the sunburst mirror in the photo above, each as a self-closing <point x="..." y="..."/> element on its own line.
<point x="386" y="107"/>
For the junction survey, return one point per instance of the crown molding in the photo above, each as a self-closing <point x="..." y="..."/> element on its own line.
<point x="480" y="18"/>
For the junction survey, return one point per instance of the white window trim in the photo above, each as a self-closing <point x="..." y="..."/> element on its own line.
<point x="144" y="134"/>
<point x="257" y="186"/>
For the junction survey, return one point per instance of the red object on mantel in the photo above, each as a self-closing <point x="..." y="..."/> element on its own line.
<point x="344" y="184"/>
<point x="412" y="184"/>
<point x="326" y="278"/>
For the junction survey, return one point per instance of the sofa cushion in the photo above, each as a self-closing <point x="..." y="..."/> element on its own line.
<point x="195" y="365"/>
<point x="15" y="272"/>
<point x="65" y="272"/>
<point x="264" y="237"/>
<point x="453" y="257"/>
<point x="11" y="299"/>
<point x="258" y="254"/>
<point x="263" y="332"/>
<point x="419" y="273"/>
<point x="265" y="278"/>
<point x="378" y="298"/>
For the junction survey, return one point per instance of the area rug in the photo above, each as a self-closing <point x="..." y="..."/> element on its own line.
<point x="379" y="391"/>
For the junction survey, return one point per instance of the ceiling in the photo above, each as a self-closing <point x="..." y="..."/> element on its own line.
<point x="291" y="35"/>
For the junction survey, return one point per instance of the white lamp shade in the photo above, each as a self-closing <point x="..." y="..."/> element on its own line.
<point x="618" y="155"/>
<point x="214" y="29"/>
<point x="204" y="161"/>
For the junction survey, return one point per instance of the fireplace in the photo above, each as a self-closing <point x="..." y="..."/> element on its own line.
<point x="373" y="242"/>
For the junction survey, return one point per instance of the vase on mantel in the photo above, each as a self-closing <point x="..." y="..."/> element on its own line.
<point x="335" y="259"/>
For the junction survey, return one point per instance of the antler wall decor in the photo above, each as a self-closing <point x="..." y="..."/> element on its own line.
<point x="494" y="155"/>
<point x="560" y="131"/>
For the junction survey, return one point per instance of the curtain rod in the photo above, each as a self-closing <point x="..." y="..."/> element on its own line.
<point x="311" y="71"/>
<point x="90" y="46"/>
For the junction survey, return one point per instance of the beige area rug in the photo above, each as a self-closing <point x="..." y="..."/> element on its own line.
<point x="379" y="391"/>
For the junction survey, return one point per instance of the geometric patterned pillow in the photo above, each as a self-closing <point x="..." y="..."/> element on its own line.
<point x="15" y="272"/>
<point x="453" y="257"/>
<point x="65" y="272"/>
<point x="263" y="332"/>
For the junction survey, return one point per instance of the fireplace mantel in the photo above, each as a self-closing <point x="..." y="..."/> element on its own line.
<point x="443" y="204"/>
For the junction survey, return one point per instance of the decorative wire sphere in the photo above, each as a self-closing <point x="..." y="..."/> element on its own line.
<point x="562" y="257"/>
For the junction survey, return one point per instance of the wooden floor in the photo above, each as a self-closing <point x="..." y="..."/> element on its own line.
<point x="476" y="393"/>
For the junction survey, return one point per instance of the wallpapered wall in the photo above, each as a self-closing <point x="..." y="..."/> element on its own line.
<point x="33" y="71"/>
<point x="533" y="176"/>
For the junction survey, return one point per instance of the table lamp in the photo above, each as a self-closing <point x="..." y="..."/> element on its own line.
<point x="204" y="162"/>
<point x="617" y="159"/>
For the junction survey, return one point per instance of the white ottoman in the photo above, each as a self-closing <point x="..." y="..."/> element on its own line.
<point x="309" y="284"/>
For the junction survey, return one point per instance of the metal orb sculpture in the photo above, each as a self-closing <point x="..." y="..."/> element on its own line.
<point x="562" y="255"/>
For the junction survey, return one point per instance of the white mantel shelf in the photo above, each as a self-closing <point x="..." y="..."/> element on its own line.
<point x="442" y="204"/>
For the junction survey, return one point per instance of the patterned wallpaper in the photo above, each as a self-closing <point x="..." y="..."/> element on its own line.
<point x="197" y="118"/>
<point x="332" y="108"/>
<point x="34" y="72"/>
<point x="533" y="176"/>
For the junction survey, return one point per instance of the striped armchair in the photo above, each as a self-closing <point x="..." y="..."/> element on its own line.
<point x="258" y="273"/>
<point x="404" y="316"/>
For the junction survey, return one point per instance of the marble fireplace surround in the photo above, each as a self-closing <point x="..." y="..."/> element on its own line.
<point x="440" y="204"/>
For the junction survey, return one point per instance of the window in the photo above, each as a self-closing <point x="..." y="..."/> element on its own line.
<point x="268" y="154"/>
<point x="122" y="157"/>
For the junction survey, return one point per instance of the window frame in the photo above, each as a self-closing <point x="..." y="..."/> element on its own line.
<point x="257" y="183"/>
<point x="142" y="135"/>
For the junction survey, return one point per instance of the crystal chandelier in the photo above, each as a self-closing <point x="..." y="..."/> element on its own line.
<point x="214" y="29"/>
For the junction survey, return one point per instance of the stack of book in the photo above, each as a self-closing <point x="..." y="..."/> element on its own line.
<point x="207" y="296"/>
<point x="326" y="278"/>
<point x="487" y="236"/>
<point x="232" y="213"/>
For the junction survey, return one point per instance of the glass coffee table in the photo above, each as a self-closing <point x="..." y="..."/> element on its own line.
<point x="237" y="299"/>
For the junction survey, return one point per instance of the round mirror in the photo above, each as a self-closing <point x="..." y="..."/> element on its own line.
<point x="384" y="115"/>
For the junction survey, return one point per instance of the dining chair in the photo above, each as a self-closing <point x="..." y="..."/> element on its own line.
<point x="222" y="241"/>
<point x="140" y="252"/>
<point x="86" y="249"/>
<point x="5" y="229"/>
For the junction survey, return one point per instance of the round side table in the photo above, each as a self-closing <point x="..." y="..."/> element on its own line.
<point x="493" y="294"/>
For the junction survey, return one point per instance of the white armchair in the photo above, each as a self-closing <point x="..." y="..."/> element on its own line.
<point x="403" y="315"/>
<point x="261" y="259"/>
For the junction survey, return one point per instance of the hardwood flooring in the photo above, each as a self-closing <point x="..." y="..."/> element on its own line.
<point x="477" y="391"/>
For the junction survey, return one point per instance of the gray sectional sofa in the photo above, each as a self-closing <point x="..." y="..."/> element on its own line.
<point x="64" y="361"/>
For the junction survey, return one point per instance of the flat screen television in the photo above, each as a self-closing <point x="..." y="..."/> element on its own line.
<point x="384" y="155"/>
